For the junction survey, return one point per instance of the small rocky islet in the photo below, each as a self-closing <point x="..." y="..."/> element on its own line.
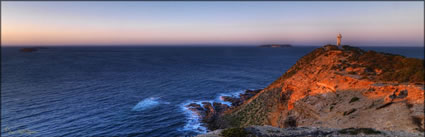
<point x="31" y="49"/>
<point x="28" y="50"/>
<point x="275" y="46"/>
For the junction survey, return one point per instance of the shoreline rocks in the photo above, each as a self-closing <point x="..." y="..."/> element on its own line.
<point x="242" y="97"/>
<point x="209" y="112"/>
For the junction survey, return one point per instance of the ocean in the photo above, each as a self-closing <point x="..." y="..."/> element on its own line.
<point x="132" y="91"/>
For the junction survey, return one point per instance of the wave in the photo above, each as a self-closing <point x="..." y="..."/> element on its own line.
<point x="148" y="103"/>
<point x="193" y="120"/>
<point x="235" y="94"/>
<point x="194" y="123"/>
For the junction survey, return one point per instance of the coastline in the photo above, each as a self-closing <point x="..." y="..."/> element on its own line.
<point x="231" y="117"/>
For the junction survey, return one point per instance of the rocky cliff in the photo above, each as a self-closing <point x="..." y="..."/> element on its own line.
<point x="335" y="87"/>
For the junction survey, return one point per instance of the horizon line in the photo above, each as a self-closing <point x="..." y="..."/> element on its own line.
<point x="187" y="45"/>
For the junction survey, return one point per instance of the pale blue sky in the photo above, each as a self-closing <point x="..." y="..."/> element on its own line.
<point x="298" y="23"/>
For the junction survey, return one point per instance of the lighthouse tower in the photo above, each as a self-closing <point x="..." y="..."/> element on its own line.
<point x="338" y="39"/>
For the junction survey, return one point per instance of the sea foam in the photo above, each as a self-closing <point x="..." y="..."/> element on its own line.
<point x="194" y="120"/>
<point x="148" y="103"/>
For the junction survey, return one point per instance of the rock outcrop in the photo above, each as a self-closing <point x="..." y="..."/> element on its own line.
<point x="237" y="101"/>
<point x="269" y="131"/>
<point x="210" y="112"/>
<point x="335" y="87"/>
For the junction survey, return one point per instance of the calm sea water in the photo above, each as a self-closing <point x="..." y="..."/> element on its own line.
<point x="131" y="91"/>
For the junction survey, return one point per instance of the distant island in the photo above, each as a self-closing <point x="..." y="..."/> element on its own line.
<point x="31" y="49"/>
<point x="276" y="46"/>
<point x="28" y="49"/>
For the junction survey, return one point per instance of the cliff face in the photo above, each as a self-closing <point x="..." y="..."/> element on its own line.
<point x="339" y="88"/>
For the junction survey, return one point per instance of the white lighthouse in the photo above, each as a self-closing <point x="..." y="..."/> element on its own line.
<point x="338" y="39"/>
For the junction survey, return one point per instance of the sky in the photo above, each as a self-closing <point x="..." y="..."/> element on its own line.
<point x="212" y="23"/>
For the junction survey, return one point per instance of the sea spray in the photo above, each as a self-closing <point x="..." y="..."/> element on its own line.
<point x="194" y="119"/>
<point x="148" y="103"/>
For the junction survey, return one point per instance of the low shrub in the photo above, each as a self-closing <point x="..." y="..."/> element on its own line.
<point x="349" y="112"/>
<point x="355" y="131"/>
<point x="354" y="99"/>
<point x="234" y="132"/>
<point x="290" y="122"/>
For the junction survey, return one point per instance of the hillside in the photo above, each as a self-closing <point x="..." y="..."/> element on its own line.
<point x="335" y="87"/>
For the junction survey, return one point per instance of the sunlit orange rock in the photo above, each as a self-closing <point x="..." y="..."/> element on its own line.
<point x="341" y="88"/>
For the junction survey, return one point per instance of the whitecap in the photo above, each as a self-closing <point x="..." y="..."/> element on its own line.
<point x="148" y="103"/>
<point x="231" y="94"/>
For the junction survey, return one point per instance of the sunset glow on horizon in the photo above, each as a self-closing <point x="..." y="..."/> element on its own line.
<point x="212" y="23"/>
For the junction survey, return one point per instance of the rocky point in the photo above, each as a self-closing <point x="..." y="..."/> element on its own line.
<point x="332" y="87"/>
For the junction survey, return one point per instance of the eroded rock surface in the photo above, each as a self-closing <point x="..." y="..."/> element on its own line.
<point x="209" y="113"/>
<point x="335" y="87"/>
<point x="269" y="131"/>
